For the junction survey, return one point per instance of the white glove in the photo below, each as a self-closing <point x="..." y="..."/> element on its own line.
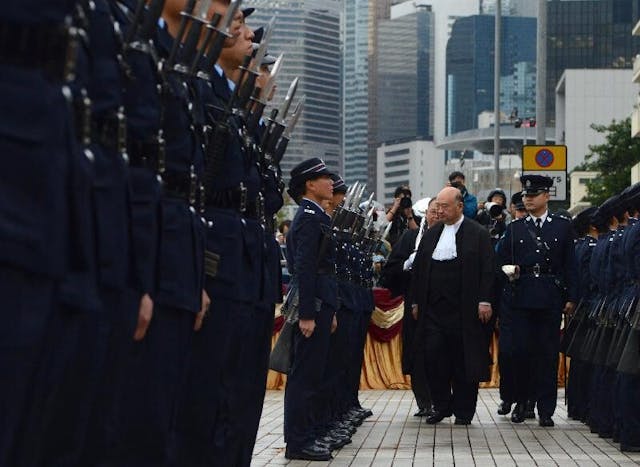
<point x="408" y="264"/>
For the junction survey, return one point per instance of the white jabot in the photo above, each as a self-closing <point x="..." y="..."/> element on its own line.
<point x="446" y="247"/>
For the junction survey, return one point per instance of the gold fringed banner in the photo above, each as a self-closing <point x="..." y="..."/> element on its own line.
<point x="386" y="319"/>
<point x="381" y="368"/>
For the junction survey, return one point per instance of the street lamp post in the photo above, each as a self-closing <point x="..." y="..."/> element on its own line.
<point x="496" y="91"/>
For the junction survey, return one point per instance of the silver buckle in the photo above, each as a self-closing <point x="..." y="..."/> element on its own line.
<point x="536" y="270"/>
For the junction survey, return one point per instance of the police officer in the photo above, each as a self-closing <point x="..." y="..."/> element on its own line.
<point x="213" y="410"/>
<point x="36" y="188"/>
<point x="540" y="263"/>
<point x="311" y="259"/>
<point x="573" y="335"/>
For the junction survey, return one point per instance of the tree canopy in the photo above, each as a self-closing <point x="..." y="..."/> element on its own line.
<point x="613" y="159"/>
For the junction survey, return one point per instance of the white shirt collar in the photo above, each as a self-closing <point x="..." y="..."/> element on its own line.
<point x="219" y="69"/>
<point x="542" y="217"/>
<point x="457" y="224"/>
<point x="312" y="201"/>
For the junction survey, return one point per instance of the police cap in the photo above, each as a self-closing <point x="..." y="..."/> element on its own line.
<point x="535" y="184"/>
<point x="583" y="220"/>
<point x="306" y="170"/>
<point x="608" y="209"/>
<point x="257" y="38"/>
<point x="339" y="186"/>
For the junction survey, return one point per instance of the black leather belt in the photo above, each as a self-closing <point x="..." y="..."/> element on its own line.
<point x="329" y="271"/>
<point x="237" y="200"/>
<point x="536" y="270"/>
<point x="147" y="154"/>
<point x="183" y="185"/>
<point x="110" y="131"/>
<point x="50" y="48"/>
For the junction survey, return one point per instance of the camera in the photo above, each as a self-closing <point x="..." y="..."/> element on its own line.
<point x="494" y="209"/>
<point x="457" y="185"/>
<point x="405" y="202"/>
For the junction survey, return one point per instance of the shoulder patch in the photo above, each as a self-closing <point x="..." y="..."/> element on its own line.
<point x="558" y="217"/>
<point x="309" y="211"/>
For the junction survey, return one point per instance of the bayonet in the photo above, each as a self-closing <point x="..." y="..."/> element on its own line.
<point x="213" y="46"/>
<point x="190" y="47"/>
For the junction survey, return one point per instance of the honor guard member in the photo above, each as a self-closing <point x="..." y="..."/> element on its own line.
<point x="37" y="217"/>
<point x="145" y="150"/>
<point x="103" y="74"/>
<point x="539" y="251"/>
<point x="335" y="382"/>
<point x="575" y="329"/>
<point x="311" y="260"/>
<point x="629" y="363"/>
<point x="257" y="365"/>
<point x="144" y="421"/>
<point x="211" y="426"/>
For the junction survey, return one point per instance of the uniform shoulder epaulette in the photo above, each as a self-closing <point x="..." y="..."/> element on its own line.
<point x="309" y="211"/>
<point x="518" y="220"/>
<point x="558" y="216"/>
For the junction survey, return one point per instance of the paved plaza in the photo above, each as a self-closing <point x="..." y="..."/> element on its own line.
<point x="394" y="437"/>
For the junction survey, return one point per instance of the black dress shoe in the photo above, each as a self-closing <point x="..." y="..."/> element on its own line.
<point x="517" y="416"/>
<point x="309" y="453"/>
<point x="546" y="421"/>
<point x="366" y="413"/>
<point x="530" y="413"/>
<point x="421" y="413"/>
<point x="504" y="408"/>
<point x="462" y="421"/>
<point x="437" y="416"/>
<point x="629" y="448"/>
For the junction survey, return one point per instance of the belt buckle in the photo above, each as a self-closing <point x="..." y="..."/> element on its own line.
<point x="243" y="198"/>
<point x="536" y="270"/>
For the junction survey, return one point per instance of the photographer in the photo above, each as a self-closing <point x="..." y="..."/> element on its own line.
<point x="493" y="214"/>
<point x="456" y="180"/>
<point x="401" y="215"/>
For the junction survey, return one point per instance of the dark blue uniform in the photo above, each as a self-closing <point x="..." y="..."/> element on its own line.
<point x="314" y="276"/>
<point x="210" y="421"/>
<point x="547" y="281"/>
<point x="36" y="186"/>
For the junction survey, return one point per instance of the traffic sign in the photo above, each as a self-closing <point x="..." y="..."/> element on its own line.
<point x="558" y="191"/>
<point x="544" y="158"/>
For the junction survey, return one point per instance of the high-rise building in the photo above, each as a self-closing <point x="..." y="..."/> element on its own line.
<point x="378" y="11"/>
<point x="405" y="76"/>
<point x="308" y="33"/>
<point x="517" y="89"/>
<point x="588" y="34"/>
<point x="355" y="85"/>
<point x="470" y="66"/>
<point x="527" y="8"/>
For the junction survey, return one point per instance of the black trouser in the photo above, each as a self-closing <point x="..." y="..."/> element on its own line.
<point x="444" y="369"/>
<point x="419" y="384"/>
<point x="303" y="402"/>
<point x="536" y="344"/>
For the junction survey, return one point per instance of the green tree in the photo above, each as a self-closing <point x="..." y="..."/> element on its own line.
<point x="613" y="160"/>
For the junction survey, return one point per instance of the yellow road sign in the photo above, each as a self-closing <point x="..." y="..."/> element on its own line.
<point x="544" y="158"/>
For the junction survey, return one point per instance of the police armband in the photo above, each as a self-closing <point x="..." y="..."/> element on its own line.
<point x="211" y="261"/>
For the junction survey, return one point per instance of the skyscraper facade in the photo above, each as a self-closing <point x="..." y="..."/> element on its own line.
<point x="470" y="66"/>
<point x="308" y="33"/>
<point x="355" y="85"/>
<point x="588" y="34"/>
<point x="405" y="76"/>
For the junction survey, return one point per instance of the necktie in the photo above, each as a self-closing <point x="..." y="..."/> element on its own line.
<point x="539" y="226"/>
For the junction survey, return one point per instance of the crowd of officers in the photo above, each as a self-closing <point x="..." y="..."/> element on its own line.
<point x="602" y="337"/>
<point x="139" y="269"/>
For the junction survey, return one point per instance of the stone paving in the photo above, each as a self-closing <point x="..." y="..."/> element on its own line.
<point x="394" y="437"/>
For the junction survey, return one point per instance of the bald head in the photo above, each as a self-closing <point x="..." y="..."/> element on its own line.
<point x="450" y="205"/>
